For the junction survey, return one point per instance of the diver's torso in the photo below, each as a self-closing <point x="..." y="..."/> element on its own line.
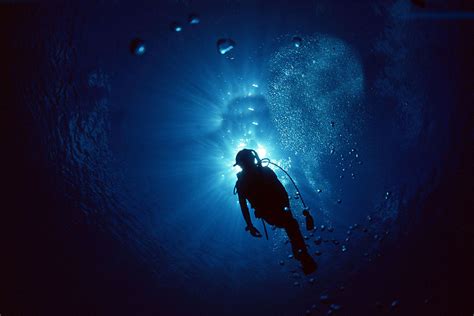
<point x="262" y="189"/>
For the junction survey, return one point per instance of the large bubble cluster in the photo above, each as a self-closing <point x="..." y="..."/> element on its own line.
<point x="314" y="96"/>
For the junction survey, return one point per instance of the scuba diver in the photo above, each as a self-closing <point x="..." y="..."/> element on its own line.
<point x="260" y="186"/>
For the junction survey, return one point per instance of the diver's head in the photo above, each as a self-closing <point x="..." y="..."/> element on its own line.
<point x="246" y="159"/>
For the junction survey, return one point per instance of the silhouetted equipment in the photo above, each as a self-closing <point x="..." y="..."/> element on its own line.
<point x="260" y="186"/>
<point x="309" y="220"/>
<point x="249" y="155"/>
<point x="307" y="215"/>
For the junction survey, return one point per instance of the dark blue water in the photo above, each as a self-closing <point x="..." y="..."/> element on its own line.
<point x="118" y="174"/>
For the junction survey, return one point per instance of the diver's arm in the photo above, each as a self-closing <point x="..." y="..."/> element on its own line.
<point x="245" y="212"/>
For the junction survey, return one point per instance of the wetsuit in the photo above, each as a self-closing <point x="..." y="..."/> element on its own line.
<point x="267" y="196"/>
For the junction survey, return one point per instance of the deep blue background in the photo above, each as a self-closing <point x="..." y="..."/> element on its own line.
<point x="117" y="169"/>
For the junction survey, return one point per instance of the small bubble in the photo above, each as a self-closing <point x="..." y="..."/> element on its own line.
<point x="324" y="298"/>
<point x="193" y="19"/>
<point x="137" y="47"/>
<point x="335" y="307"/>
<point x="176" y="27"/>
<point x="318" y="240"/>
<point x="225" y="45"/>
<point x="297" y="41"/>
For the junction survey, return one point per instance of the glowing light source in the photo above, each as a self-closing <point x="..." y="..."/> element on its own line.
<point x="261" y="151"/>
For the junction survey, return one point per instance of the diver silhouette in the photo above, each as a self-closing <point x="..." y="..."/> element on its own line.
<point x="260" y="186"/>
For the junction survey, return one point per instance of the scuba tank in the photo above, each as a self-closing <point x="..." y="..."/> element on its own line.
<point x="308" y="217"/>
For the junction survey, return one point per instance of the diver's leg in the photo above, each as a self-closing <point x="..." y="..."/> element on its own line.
<point x="300" y="251"/>
<point x="294" y="234"/>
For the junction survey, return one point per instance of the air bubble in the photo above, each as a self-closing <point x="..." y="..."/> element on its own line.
<point x="335" y="307"/>
<point x="176" y="27"/>
<point x="297" y="41"/>
<point x="225" y="45"/>
<point x="324" y="298"/>
<point x="193" y="19"/>
<point x="137" y="47"/>
<point x="318" y="240"/>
